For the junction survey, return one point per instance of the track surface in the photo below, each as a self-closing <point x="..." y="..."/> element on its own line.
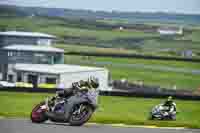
<point x="25" y="126"/>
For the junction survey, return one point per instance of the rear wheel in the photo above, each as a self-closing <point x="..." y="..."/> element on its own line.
<point x="38" y="115"/>
<point x="80" y="114"/>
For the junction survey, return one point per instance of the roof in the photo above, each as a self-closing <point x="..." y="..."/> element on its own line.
<point x="54" y="69"/>
<point x="34" y="48"/>
<point x="26" y="34"/>
<point x="170" y="28"/>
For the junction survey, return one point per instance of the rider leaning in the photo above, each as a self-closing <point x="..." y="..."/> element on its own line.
<point x="170" y="105"/>
<point x="91" y="89"/>
<point x="91" y="83"/>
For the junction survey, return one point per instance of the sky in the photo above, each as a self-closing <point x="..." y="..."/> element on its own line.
<point x="178" y="6"/>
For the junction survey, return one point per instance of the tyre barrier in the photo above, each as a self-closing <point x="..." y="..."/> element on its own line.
<point x="137" y="56"/>
<point x="123" y="93"/>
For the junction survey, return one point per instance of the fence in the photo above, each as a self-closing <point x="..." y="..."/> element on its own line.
<point x="133" y="56"/>
<point x="115" y="92"/>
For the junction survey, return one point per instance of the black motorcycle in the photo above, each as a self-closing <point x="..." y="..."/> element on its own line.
<point x="75" y="109"/>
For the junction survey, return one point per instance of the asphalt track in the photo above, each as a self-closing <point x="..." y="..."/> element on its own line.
<point x="25" y="126"/>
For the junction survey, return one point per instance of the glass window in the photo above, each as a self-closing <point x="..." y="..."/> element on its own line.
<point x="42" y="58"/>
<point x="109" y="79"/>
<point x="58" y="59"/>
<point x="1" y="40"/>
<point x="1" y="69"/>
<point x="50" y="80"/>
<point x="10" y="78"/>
<point x="19" y="77"/>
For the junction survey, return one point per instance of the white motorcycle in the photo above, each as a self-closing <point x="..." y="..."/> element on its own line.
<point x="160" y="112"/>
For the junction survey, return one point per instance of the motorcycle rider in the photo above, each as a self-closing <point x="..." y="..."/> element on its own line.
<point x="89" y="91"/>
<point x="84" y="86"/>
<point x="72" y="102"/>
<point x="169" y="106"/>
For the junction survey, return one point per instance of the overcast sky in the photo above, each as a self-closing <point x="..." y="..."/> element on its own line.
<point x="179" y="6"/>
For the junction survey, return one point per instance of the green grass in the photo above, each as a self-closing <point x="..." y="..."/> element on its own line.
<point x="100" y="34"/>
<point x="94" y="49"/>
<point x="146" y="50"/>
<point x="62" y="28"/>
<point x="112" y="109"/>
<point x="194" y="36"/>
<point x="176" y="64"/>
<point x="88" y="49"/>
<point x="157" y="78"/>
<point x="165" y="79"/>
<point x="178" y="45"/>
<point x="105" y="36"/>
<point x="151" y="77"/>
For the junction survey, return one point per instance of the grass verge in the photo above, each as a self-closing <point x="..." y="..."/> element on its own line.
<point x="154" y="77"/>
<point x="112" y="109"/>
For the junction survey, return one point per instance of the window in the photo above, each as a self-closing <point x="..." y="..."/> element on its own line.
<point x="1" y="68"/>
<point x="58" y="59"/>
<point x="42" y="58"/>
<point x="10" y="78"/>
<point x="19" y="77"/>
<point x="109" y="79"/>
<point x="44" y="42"/>
<point x="9" y="54"/>
<point x="1" y="40"/>
<point x="50" y="80"/>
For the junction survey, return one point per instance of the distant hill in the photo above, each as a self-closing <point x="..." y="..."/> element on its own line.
<point x="134" y="17"/>
<point x="11" y="11"/>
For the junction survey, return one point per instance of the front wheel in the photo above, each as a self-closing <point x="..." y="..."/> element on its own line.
<point x="173" y="117"/>
<point x="38" y="115"/>
<point x="80" y="114"/>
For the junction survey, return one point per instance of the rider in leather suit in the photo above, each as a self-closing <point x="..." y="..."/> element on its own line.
<point x="79" y="86"/>
<point x="170" y="106"/>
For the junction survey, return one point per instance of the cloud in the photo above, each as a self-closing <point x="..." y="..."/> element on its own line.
<point x="179" y="6"/>
<point x="7" y="1"/>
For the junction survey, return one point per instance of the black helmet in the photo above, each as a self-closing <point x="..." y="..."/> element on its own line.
<point x="94" y="82"/>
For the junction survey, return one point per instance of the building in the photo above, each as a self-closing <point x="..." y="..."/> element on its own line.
<point x="31" y="54"/>
<point x="187" y="54"/>
<point x="27" y="47"/>
<point x="27" y="38"/>
<point x="61" y="75"/>
<point x="170" y="31"/>
<point x="29" y="58"/>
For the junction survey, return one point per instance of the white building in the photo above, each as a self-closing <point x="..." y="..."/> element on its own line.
<point x="170" y="31"/>
<point x="24" y="47"/>
<point x="60" y="74"/>
<point x="187" y="53"/>
<point x="31" y="38"/>
<point x="27" y="57"/>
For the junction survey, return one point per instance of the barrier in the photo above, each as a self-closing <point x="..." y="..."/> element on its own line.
<point x="133" y="56"/>
<point x="150" y="95"/>
<point x="23" y="89"/>
<point x="123" y="93"/>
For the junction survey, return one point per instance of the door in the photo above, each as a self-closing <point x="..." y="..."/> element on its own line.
<point x="33" y="79"/>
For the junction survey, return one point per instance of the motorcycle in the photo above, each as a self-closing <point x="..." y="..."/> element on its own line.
<point x="159" y="112"/>
<point x="75" y="110"/>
